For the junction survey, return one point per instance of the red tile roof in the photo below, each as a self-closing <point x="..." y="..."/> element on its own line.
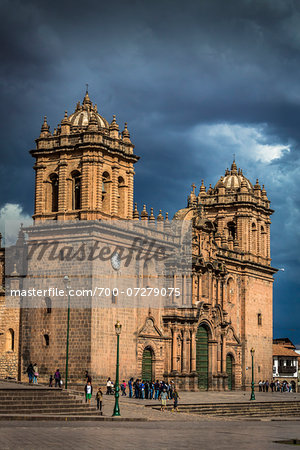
<point x="281" y="350"/>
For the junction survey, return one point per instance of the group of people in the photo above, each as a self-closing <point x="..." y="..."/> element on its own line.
<point x="277" y="386"/>
<point x="33" y="374"/>
<point x="157" y="390"/>
<point x="56" y="378"/>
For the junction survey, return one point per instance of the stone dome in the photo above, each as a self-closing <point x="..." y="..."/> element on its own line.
<point x="233" y="179"/>
<point x="83" y="113"/>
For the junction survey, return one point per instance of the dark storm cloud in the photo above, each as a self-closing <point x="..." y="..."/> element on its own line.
<point x="196" y="81"/>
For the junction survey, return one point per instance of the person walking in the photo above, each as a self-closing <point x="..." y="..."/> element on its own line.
<point x="99" y="398"/>
<point x="57" y="378"/>
<point x="175" y="396"/>
<point x="35" y="373"/>
<point x="88" y="392"/>
<point x="156" y="387"/>
<point x="130" y="383"/>
<point x="30" y="373"/>
<point x="108" y="386"/>
<point x="163" y="397"/>
<point x="51" y="380"/>
<point x="123" y="388"/>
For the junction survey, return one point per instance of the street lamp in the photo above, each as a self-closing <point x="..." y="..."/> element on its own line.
<point x="118" y="328"/>
<point x="66" y="281"/>
<point x="252" y="351"/>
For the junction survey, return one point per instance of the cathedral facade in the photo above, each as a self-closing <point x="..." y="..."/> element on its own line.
<point x="85" y="172"/>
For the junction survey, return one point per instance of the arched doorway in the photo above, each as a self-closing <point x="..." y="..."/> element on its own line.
<point x="202" y="357"/>
<point x="147" y="364"/>
<point x="229" y="371"/>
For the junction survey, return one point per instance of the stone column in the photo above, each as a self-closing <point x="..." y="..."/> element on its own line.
<point x="114" y="189"/>
<point x="193" y="350"/>
<point x="130" y="193"/>
<point x="184" y="350"/>
<point x="99" y="185"/>
<point x="85" y="183"/>
<point x="174" y="349"/>
<point x="40" y="205"/>
<point x="62" y="186"/>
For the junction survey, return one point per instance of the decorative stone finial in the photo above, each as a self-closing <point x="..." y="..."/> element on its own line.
<point x="136" y="215"/>
<point x="126" y="134"/>
<point x="151" y="217"/>
<point x="160" y="217"/>
<point x="144" y="214"/>
<point x="202" y="187"/>
<point x="45" y="127"/>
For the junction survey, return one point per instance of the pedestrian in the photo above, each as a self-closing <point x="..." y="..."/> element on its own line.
<point x="88" y="392"/>
<point x="175" y="396"/>
<point x="88" y="377"/>
<point x="99" y="398"/>
<point x="267" y="386"/>
<point x="35" y="373"/>
<point x="50" y="380"/>
<point x="146" y="389"/>
<point x="163" y="397"/>
<point x="130" y="383"/>
<point x="108" y="386"/>
<point x="264" y="386"/>
<point x="123" y="387"/>
<point x="260" y="386"/>
<point x="156" y="387"/>
<point x="57" y="378"/>
<point x="151" y="386"/>
<point x="30" y="373"/>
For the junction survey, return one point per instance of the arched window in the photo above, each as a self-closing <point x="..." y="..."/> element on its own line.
<point x="54" y="192"/>
<point x="253" y="238"/>
<point x="231" y="230"/>
<point x="48" y="305"/>
<point x="10" y="340"/>
<point x="76" y="190"/>
<point x="106" y="192"/>
<point x="230" y="290"/>
<point x="46" y="340"/>
<point x="121" y="196"/>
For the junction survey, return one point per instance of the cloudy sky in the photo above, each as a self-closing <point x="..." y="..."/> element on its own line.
<point x="197" y="81"/>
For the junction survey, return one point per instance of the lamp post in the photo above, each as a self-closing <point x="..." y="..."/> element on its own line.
<point x="252" y="351"/>
<point x="118" y="328"/>
<point x="66" y="281"/>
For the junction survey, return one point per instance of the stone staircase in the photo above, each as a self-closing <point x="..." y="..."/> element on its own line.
<point x="33" y="403"/>
<point x="244" y="409"/>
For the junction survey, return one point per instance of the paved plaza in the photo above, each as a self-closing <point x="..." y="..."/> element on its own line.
<point x="207" y="434"/>
<point x="159" y="430"/>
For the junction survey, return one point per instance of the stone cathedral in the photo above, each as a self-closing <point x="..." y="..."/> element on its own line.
<point x="84" y="171"/>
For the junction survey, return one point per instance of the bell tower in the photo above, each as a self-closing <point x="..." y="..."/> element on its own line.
<point x="84" y="169"/>
<point x="241" y="214"/>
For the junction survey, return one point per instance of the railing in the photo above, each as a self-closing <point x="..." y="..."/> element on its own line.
<point x="287" y="369"/>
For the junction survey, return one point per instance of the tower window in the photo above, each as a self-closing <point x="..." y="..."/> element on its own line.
<point x="48" y="305"/>
<point x="46" y="340"/>
<point x="10" y="340"/>
<point x="259" y="319"/>
<point x="231" y="230"/>
<point x="114" y="298"/>
<point x="76" y="195"/>
<point x="54" y="192"/>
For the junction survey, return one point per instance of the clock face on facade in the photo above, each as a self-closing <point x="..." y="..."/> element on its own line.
<point x="115" y="261"/>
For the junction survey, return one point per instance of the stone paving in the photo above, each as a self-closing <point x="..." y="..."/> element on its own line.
<point x="207" y="434"/>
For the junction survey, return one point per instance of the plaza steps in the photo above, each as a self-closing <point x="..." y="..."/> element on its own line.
<point x="44" y="403"/>
<point x="244" y="409"/>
